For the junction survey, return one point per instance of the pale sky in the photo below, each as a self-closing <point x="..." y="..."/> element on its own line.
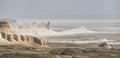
<point x="60" y="9"/>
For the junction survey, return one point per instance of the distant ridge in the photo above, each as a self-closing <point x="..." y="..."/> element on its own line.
<point x="43" y="29"/>
<point x="82" y="29"/>
<point x="46" y="30"/>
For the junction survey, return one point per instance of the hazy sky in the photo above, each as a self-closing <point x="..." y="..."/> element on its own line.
<point x="60" y="9"/>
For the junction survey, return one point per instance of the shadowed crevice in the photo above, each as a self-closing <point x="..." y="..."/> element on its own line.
<point x="22" y="38"/>
<point x="27" y="38"/>
<point x="36" y="40"/>
<point x="8" y="38"/>
<point x="3" y="35"/>
<point x="15" y="37"/>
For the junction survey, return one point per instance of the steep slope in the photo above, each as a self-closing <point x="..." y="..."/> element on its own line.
<point x="10" y="37"/>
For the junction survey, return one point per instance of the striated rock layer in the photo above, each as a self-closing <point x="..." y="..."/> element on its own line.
<point x="9" y="37"/>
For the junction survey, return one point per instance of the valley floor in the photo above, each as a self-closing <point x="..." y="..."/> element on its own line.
<point x="58" y="51"/>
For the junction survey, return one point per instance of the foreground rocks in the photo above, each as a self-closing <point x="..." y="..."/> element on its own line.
<point x="38" y="52"/>
<point x="106" y="45"/>
<point x="86" y="53"/>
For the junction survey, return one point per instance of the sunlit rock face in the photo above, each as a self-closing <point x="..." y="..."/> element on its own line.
<point x="9" y="37"/>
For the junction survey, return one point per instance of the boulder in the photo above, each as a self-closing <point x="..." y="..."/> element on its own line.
<point x="106" y="45"/>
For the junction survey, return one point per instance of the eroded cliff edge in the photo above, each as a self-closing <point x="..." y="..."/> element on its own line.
<point x="10" y="37"/>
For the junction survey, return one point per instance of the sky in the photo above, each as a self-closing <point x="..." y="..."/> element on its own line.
<point x="60" y="9"/>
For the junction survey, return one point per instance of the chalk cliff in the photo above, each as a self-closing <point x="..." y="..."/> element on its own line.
<point x="10" y="37"/>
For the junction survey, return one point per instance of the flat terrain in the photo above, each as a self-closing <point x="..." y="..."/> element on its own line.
<point x="80" y="51"/>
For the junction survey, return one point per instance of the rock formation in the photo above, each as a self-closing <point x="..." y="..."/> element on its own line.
<point x="9" y="37"/>
<point x="4" y="25"/>
<point x="35" y="25"/>
<point x="48" y="26"/>
<point x="106" y="45"/>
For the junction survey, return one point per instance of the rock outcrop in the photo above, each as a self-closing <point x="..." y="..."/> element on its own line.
<point x="35" y="25"/>
<point x="9" y="37"/>
<point x="4" y="25"/>
<point x="106" y="45"/>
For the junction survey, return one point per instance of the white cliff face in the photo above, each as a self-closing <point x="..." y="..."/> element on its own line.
<point x="42" y="29"/>
<point x="78" y="31"/>
<point x="35" y="32"/>
<point x="17" y="39"/>
<point x="50" y="32"/>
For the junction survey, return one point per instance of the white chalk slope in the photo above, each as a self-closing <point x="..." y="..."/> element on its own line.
<point x="46" y="32"/>
<point x="78" y="30"/>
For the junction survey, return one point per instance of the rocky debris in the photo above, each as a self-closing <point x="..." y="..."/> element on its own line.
<point x="73" y="52"/>
<point x="106" y="45"/>
<point x="67" y="51"/>
<point x="85" y="53"/>
<point x="32" y="52"/>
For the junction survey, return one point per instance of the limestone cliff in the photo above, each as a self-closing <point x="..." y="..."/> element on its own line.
<point x="9" y="37"/>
